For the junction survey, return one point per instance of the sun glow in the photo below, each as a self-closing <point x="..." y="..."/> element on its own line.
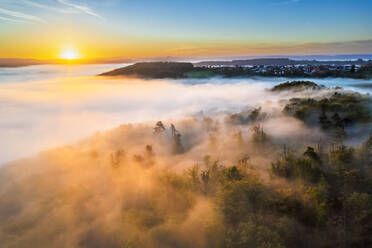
<point x="69" y="53"/>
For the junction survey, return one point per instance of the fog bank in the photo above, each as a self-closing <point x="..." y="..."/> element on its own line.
<point x="48" y="106"/>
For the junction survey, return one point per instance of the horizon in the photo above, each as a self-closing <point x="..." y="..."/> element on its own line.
<point x="227" y="57"/>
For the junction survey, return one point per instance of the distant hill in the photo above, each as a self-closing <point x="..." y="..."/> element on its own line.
<point x="279" y="62"/>
<point x="15" y="62"/>
<point x="153" y="70"/>
<point x="19" y="62"/>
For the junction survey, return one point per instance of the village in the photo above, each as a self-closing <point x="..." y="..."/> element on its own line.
<point x="303" y="70"/>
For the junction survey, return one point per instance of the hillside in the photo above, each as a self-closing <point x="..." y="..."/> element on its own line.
<point x="153" y="70"/>
<point x="16" y="62"/>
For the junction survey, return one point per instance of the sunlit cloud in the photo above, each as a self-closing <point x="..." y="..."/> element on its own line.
<point x="81" y="8"/>
<point x="21" y="15"/>
<point x="274" y="48"/>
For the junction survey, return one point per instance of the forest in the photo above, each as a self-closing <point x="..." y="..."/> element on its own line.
<point x="296" y="172"/>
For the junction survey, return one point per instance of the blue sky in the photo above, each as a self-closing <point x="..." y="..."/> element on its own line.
<point x="284" y="20"/>
<point x="292" y="26"/>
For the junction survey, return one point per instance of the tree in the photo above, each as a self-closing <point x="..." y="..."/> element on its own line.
<point x="239" y="200"/>
<point x="177" y="144"/>
<point x="258" y="134"/>
<point x="342" y="157"/>
<point x="116" y="158"/>
<point x="159" y="128"/>
<point x="149" y="155"/>
<point x="205" y="181"/>
<point x="233" y="173"/>
<point x="310" y="153"/>
<point x="323" y="120"/>
<point x="250" y="234"/>
<point x="337" y="120"/>
<point x="358" y="219"/>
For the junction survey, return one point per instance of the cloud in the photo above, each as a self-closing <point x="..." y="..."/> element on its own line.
<point x="337" y="47"/>
<point x="291" y="1"/>
<point x="21" y="15"/>
<point x="47" y="7"/>
<point x="354" y="46"/>
<point x="286" y="2"/>
<point x="81" y="8"/>
<point x="10" y="19"/>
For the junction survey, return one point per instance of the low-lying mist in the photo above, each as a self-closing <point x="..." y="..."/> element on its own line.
<point x="125" y="187"/>
<point x="56" y="105"/>
<point x="36" y="115"/>
<point x="198" y="163"/>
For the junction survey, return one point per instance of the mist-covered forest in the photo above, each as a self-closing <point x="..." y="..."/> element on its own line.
<point x="293" y="172"/>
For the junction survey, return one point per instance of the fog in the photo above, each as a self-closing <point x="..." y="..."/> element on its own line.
<point x="48" y="106"/>
<point x="130" y="186"/>
<point x="93" y="167"/>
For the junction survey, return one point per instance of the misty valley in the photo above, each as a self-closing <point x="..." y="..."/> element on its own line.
<point x="185" y="124"/>
<point x="288" y="165"/>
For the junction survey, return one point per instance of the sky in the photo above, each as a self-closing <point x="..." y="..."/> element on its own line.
<point x="44" y="29"/>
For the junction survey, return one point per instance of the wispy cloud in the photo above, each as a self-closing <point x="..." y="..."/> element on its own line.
<point x="81" y="8"/>
<point x="286" y="2"/>
<point x="292" y="1"/>
<point x="52" y="8"/>
<point x="20" y="15"/>
<point x="10" y="19"/>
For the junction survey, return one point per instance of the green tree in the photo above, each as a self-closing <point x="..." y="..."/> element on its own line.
<point x="252" y="235"/>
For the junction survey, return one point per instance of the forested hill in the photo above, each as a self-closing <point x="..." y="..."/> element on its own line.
<point x="176" y="70"/>
<point x="153" y="70"/>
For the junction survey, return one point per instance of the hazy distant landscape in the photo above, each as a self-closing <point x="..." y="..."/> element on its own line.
<point x="270" y="164"/>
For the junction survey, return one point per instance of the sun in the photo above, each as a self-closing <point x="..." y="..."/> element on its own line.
<point x="69" y="54"/>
